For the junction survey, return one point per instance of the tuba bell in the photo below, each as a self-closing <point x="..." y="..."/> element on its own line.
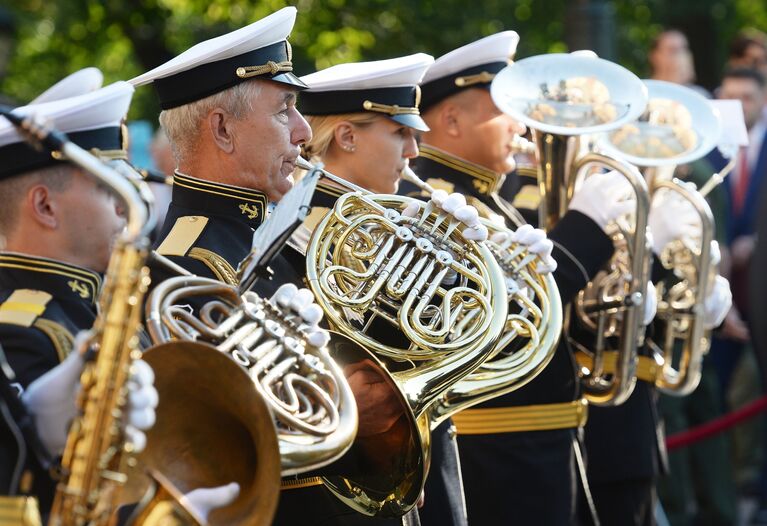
<point x="534" y="317"/>
<point x="679" y="126"/>
<point x="561" y="97"/>
<point x="378" y="274"/>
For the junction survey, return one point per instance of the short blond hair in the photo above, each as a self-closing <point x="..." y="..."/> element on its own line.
<point x="182" y="125"/>
<point x="324" y="128"/>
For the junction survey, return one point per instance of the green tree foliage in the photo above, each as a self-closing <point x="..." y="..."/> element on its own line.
<point x="126" y="37"/>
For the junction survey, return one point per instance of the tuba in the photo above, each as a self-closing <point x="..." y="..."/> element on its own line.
<point x="561" y="97"/>
<point x="377" y="273"/>
<point x="535" y="317"/>
<point x="679" y="126"/>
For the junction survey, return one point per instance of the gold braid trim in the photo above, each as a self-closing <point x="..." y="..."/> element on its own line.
<point x="470" y="80"/>
<point x="272" y="68"/>
<point x="61" y="338"/>
<point x="221" y="268"/>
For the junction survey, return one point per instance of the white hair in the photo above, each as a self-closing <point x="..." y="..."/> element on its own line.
<point x="182" y="125"/>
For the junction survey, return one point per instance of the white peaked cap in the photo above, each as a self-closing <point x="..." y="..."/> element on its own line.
<point x="222" y="62"/>
<point x="472" y="65"/>
<point x="92" y="120"/>
<point x="389" y="73"/>
<point x="78" y="83"/>
<point x="388" y="87"/>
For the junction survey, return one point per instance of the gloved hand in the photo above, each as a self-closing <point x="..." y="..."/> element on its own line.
<point x="301" y="302"/>
<point x="142" y="401"/>
<point x="604" y="197"/>
<point x="535" y="242"/>
<point x="715" y="253"/>
<point x="454" y="204"/>
<point x="52" y="400"/>
<point x="204" y="500"/>
<point x="671" y="218"/>
<point x="650" y="304"/>
<point x="717" y="304"/>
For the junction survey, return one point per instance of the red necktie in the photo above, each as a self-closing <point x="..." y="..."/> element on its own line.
<point x="741" y="185"/>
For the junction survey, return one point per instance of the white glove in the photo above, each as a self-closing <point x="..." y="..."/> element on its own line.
<point x="535" y="242"/>
<point x="717" y="304"/>
<point x="604" y="197"/>
<point x="142" y="401"/>
<point x="52" y="401"/>
<point x="454" y="204"/>
<point x="650" y="304"/>
<point x="301" y="302"/>
<point x="204" y="500"/>
<point x="671" y="218"/>
<point x="715" y="254"/>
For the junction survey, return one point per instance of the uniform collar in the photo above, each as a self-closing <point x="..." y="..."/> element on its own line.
<point x="62" y="280"/>
<point x="326" y="195"/>
<point x="212" y="198"/>
<point x="455" y="169"/>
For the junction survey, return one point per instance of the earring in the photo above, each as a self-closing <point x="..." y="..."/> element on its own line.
<point x="349" y="148"/>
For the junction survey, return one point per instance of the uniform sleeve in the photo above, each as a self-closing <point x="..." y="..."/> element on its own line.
<point x="581" y="248"/>
<point x="29" y="351"/>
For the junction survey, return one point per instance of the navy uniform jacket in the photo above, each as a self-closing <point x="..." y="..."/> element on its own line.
<point x="43" y="305"/>
<point x="494" y="465"/>
<point x="208" y="230"/>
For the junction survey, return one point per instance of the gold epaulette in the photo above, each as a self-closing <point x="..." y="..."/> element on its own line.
<point x="186" y="230"/>
<point x="542" y="417"/>
<point x="528" y="197"/>
<point x="24" y="306"/>
<point x="180" y="242"/>
<point x="19" y="511"/>
<point x="296" y="483"/>
<point x="648" y="369"/>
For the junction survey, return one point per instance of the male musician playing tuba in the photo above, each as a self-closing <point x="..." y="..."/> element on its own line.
<point x="525" y="472"/>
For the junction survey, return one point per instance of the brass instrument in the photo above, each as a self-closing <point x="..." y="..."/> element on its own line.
<point x="535" y="317"/>
<point x="312" y="404"/>
<point x="678" y="127"/>
<point x="560" y="97"/>
<point x="378" y="276"/>
<point x="97" y="458"/>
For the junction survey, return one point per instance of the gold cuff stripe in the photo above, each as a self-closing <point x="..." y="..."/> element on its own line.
<point x="429" y="152"/>
<point x="520" y="419"/>
<point x="219" y="189"/>
<point x="186" y="230"/>
<point x="300" y="483"/>
<point x="647" y="368"/>
<point x="23" y="307"/>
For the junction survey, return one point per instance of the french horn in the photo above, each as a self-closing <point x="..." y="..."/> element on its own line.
<point x="561" y="97"/>
<point x="534" y="317"/>
<point x="679" y="126"/>
<point x="378" y="275"/>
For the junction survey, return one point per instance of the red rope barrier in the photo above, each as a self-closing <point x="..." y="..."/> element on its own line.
<point x="717" y="425"/>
